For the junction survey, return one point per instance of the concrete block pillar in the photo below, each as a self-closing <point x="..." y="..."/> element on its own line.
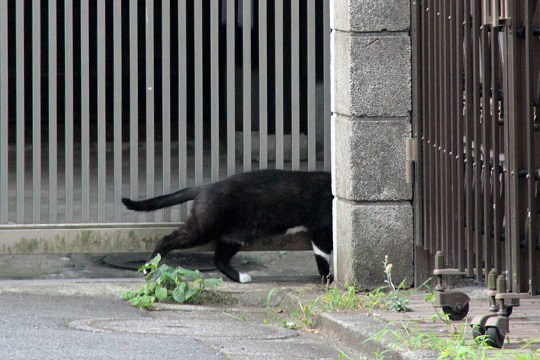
<point x="371" y="103"/>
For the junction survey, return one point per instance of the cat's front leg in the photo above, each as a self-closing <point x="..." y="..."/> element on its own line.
<point x="222" y="258"/>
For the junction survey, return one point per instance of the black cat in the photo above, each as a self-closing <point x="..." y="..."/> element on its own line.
<point x="249" y="206"/>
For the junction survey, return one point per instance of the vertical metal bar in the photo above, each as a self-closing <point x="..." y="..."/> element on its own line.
<point x="150" y="100"/>
<point x="444" y="112"/>
<point x="166" y="101"/>
<point x="182" y="101"/>
<point x="279" y="82"/>
<point x="505" y="183"/>
<point x="451" y="118"/>
<point x="326" y="117"/>
<point x="246" y="67"/>
<point x="477" y="141"/>
<point x="231" y="88"/>
<point x="513" y="148"/>
<point x="214" y="84"/>
<point x="418" y="72"/>
<point x="495" y="139"/>
<point x="4" y="82"/>
<point x="263" y="85"/>
<point x="68" y="98"/>
<point x="199" y="158"/>
<point x="455" y="95"/>
<point x="432" y="142"/>
<point x="440" y="126"/>
<point x="437" y="125"/>
<point x="416" y="61"/>
<point x="531" y="161"/>
<point x="117" y="107"/>
<point x="311" y="78"/>
<point x="101" y="114"/>
<point x="133" y="104"/>
<point x="426" y="135"/>
<point x="486" y="144"/>
<point x="517" y="158"/>
<point x="85" y="109"/>
<point x="459" y="148"/>
<point x="53" y="110"/>
<point x="452" y="225"/>
<point x="420" y="269"/>
<point x="468" y="122"/>
<point x="295" y="84"/>
<point x="36" y="111"/>
<point x="426" y="124"/>
<point x="433" y="125"/>
<point x="20" y="148"/>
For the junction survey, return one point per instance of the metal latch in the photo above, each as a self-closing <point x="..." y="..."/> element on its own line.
<point x="411" y="154"/>
<point x="495" y="12"/>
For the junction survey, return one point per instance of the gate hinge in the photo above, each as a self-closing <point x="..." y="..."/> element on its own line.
<point x="411" y="156"/>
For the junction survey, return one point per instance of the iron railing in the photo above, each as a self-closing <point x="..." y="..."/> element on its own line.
<point x="476" y="105"/>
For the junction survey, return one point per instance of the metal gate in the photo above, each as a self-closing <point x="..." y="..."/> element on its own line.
<point x="476" y="120"/>
<point x="104" y="99"/>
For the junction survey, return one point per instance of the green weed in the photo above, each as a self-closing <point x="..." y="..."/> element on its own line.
<point x="387" y="297"/>
<point x="459" y="345"/>
<point x="167" y="284"/>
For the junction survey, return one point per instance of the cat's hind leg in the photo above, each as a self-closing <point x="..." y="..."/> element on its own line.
<point x="182" y="238"/>
<point x="321" y="242"/>
<point x="323" y="262"/>
<point x="222" y="258"/>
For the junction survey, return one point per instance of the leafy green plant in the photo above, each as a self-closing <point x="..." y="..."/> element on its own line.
<point x="388" y="297"/>
<point x="164" y="283"/>
<point x="334" y="299"/>
<point x="303" y="317"/>
<point x="459" y="345"/>
<point x="395" y="300"/>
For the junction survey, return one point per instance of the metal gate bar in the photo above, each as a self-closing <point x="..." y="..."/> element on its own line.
<point x="477" y="74"/>
<point x="263" y="83"/>
<point x="117" y="109"/>
<point x="279" y="82"/>
<point x="100" y="100"/>
<point x="4" y="96"/>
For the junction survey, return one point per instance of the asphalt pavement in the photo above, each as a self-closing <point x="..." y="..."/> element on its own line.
<point x="69" y="306"/>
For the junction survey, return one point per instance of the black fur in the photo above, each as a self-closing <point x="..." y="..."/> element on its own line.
<point x="246" y="207"/>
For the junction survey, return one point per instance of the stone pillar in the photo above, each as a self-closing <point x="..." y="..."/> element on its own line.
<point x="371" y="103"/>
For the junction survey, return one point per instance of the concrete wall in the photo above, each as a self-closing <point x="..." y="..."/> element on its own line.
<point x="371" y="103"/>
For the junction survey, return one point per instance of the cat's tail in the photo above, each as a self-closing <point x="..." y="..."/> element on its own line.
<point x="163" y="201"/>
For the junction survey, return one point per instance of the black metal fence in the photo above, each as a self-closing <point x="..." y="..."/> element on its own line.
<point x="476" y="81"/>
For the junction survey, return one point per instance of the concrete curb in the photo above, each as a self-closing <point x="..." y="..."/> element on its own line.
<point x="356" y="330"/>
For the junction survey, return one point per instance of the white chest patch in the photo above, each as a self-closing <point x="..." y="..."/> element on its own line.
<point x="295" y="230"/>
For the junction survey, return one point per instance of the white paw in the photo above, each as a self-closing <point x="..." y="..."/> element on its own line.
<point x="245" y="278"/>
<point x="146" y="271"/>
